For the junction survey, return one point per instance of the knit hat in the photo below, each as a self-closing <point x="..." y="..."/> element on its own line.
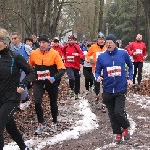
<point x="71" y="37"/>
<point x="43" y="37"/>
<point x="111" y="37"/>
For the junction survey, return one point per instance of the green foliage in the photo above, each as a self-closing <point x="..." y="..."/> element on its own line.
<point x="122" y="19"/>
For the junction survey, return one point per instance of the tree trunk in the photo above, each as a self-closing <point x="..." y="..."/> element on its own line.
<point x="138" y="17"/>
<point x="146" y="6"/>
<point x="2" y="14"/>
<point x="33" y="18"/>
<point x="96" y="16"/>
<point x="56" y="17"/>
<point x="101" y="15"/>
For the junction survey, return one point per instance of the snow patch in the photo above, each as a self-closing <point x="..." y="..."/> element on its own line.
<point x="89" y="122"/>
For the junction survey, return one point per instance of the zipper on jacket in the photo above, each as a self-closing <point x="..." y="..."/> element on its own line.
<point x="42" y="58"/>
<point x="11" y="111"/>
<point x="113" y="66"/>
<point x="12" y="64"/>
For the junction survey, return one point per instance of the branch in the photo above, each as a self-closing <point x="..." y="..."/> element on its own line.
<point x="20" y="17"/>
<point x="75" y="2"/>
<point x="117" y="15"/>
<point x="62" y="34"/>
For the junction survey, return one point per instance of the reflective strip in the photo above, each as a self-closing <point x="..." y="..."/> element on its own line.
<point x="12" y="64"/>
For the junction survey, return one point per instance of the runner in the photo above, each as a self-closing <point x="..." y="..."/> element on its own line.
<point x="96" y="49"/>
<point x="10" y="65"/>
<point x="24" y="50"/>
<point x="29" y="41"/>
<point x="115" y="85"/>
<point x="73" y="55"/>
<point x="87" y="72"/>
<point x="35" y="44"/>
<point x="56" y="46"/>
<point x="137" y="49"/>
<point x="49" y="69"/>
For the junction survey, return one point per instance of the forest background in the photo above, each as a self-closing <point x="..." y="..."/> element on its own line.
<point x="85" y="18"/>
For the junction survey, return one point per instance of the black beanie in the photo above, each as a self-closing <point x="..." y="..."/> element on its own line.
<point x="43" y="38"/>
<point x="56" y="41"/>
<point x="111" y="37"/>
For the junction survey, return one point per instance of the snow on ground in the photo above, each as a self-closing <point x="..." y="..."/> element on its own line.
<point x="89" y="122"/>
<point x="142" y="101"/>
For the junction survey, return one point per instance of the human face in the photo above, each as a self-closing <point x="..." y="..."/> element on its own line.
<point x="43" y="45"/>
<point x="71" y="41"/>
<point x="55" y="43"/>
<point x="2" y="45"/>
<point x="52" y="43"/>
<point x="139" y="37"/>
<point x="100" y="41"/>
<point x="15" y="40"/>
<point x="110" y="45"/>
<point x="34" y="38"/>
<point x="28" y="42"/>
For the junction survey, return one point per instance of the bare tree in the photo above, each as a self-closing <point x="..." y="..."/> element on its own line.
<point x="101" y="15"/>
<point x="146" y="5"/>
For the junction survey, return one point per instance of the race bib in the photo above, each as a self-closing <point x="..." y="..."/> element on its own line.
<point x="70" y="58"/>
<point x="43" y="75"/>
<point x="114" y="71"/>
<point x="138" y="51"/>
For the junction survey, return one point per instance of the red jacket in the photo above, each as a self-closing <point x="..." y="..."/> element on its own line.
<point x="137" y="50"/>
<point x="58" y="48"/>
<point x="72" y="54"/>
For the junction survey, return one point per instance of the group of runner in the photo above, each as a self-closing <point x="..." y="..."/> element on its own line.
<point x="44" y="62"/>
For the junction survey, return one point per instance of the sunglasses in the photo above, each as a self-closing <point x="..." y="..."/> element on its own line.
<point x="14" y="38"/>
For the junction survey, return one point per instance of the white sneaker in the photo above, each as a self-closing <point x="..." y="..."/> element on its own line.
<point x="24" y="105"/>
<point x="86" y="92"/>
<point x="91" y="89"/>
<point x="53" y="127"/>
<point x="41" y="127"/>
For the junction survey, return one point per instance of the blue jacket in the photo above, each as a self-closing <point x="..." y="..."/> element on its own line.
<point x="114" y="73"/>
<point x="21" y="51"/>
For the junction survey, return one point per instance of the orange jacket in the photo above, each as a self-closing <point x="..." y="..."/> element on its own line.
<point x="49" y="60"/>
<point x="94" y="51"/>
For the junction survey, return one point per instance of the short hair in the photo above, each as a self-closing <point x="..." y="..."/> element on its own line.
<point x="89" y="44"/>
<point x="28" y="39"/>
<point x="17" y="33"/>
<point x="33" y="36"/>
<point x="4" y="34"/>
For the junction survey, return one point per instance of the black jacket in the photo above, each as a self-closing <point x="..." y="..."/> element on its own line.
<point x="10" y="65"/>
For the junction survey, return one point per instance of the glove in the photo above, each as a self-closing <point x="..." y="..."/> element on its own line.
<point x="52" y="79"/>
<point x="92" y="61"/>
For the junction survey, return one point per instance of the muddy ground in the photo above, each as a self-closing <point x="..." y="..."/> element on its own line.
<point x="100" y="138"/>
